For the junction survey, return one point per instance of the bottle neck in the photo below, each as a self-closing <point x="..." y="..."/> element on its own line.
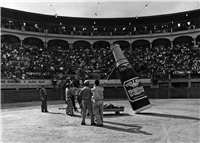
<point x="118" y="55"/>
<point x="121" y="62"/>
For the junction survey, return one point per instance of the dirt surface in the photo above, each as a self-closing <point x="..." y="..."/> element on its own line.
<point x="167" y="121"/>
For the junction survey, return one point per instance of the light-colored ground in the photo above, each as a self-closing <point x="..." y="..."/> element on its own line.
<point x="167" y="121"/>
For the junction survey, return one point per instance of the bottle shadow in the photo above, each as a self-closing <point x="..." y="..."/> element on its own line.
<point x="169" y="116"/>
<point x="129" y="128"/>
<point x="113" y="115"/>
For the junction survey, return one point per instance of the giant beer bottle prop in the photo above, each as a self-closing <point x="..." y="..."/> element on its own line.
<point x="130" y="81"/>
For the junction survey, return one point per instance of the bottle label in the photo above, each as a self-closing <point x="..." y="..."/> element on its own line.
<point x="134" y="89"/>
<point x="124" y="67"/>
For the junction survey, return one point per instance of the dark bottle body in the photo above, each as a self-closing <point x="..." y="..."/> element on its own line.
<point x="133" y="87"/>
<point x="130" y="81"/>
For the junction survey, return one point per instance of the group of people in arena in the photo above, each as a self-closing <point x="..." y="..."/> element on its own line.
<point x="30" y="61"/>
<point x="90" y="101"/>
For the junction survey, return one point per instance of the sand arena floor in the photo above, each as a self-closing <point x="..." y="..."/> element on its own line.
<point x="167" y="121"/>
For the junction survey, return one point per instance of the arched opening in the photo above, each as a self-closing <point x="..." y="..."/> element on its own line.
<point x="32" y="41"/>
<point x="9" y="39"/>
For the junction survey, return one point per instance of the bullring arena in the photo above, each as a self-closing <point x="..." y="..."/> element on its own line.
<point x="39" y="49"/>
<point x="169" y="120"/>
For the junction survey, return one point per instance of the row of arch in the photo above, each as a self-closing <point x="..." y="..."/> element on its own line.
<point x="99" y="43"/>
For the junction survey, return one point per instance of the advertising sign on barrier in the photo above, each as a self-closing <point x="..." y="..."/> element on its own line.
<point x="10" y="83"/>
<point x="35" y="83"/>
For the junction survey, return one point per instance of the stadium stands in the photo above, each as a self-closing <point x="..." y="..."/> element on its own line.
<point x="36" y="62"/>
<point x="29" y="60"/>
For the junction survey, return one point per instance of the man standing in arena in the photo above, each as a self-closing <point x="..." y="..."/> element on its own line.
<point x="68" y="99"/>
<point x="43" y="97"/>
<point x="86" y="96"/>
<point x="72" y="82"/>
<point x="97" y="99"/>
<point x="75" y="85"/>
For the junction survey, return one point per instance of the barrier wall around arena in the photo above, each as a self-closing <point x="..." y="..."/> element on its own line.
<point x="9" y="96"/>
<point x="36" y="84"/>
<point x="28" y="90"/>
<point x="18" y="84"/>
<point x="8" y="84"/>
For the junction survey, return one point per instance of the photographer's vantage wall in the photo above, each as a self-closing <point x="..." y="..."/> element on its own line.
<point x="28" y="90"/>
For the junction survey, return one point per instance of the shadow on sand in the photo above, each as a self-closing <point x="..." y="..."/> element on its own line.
<point x="169" y="116"/>
<point x="113" y="115"/>
<point x="79" y="116"/>
<point x="129" y="128"/>
<point x="56" y="113"/>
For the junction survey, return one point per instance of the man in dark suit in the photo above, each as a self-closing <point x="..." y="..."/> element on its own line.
<point x="43" y="97"/>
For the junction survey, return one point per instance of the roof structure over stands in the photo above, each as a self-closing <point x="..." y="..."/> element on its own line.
<point x="77" y="21"/>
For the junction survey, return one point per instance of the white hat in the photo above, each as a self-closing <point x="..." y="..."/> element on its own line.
<point x="86" y="82"/>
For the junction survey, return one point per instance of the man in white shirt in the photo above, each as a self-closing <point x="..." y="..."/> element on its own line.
<point x="97" y="99"/>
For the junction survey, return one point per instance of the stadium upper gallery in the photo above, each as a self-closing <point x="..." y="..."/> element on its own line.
<point x="46" y="49"/>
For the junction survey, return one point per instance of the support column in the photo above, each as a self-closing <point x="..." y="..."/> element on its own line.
<point x="91" y="46"/>
<point x="169" y="78"/>
<point x="70" y="45"/>
<point x="131" y="48"/>
<point x="151" y="45"/>
<point x="195" y="42"/>
<point x="45" y="37"/>
<point x="189" y="80"/>
<point x="170" y="85"/>
<point x="171" y="44"/>
<point x="21" y="43"/>
<point x="45" y="31"/>
<point x="189" y="85"/>
<point x="45" y="44"/>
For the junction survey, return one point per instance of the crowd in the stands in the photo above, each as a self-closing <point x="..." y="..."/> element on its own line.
<point x="30" y="61"/>
<point x="162" y="60"/>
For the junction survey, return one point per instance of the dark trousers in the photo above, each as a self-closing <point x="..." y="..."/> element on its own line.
<point x="73" y="103"/>
<point x="79" y="101"/>
<point x="44" y="106"/>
